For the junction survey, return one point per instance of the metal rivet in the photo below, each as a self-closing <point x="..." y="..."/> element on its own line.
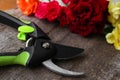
<point x="46" y="45"/>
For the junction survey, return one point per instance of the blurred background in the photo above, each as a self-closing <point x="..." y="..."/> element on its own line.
<point x="7" y="4"/>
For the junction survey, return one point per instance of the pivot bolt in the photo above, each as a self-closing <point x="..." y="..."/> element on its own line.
<point x="46" y="45"/>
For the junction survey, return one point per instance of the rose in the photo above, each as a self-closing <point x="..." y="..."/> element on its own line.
<point x="65" y="1"/>
<point x="114" y="18"/>
<point x="89" y="16"/>
<point x="114" y="37"/>
<point x="49" y="11"/>
<point x="64" y="18"/>
<point x="114" y="13"/>
<point x="28" y="7"/>
<point x="42" y="11"/>
<point x="54" y="10"/>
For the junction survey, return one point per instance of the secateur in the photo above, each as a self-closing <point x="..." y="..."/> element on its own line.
<point x="39" y="48"/>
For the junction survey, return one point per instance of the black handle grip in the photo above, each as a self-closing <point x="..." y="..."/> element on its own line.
<point x="10" y="20"/>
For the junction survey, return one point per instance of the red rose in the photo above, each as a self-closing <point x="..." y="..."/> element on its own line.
<point x="104" y="4"/>
<point x="89" y="16"/>
<point x="65" y="1"/>
<point x="54" y="10"/>
<point x="64" y="18"/>
<point x="48" y="10"/>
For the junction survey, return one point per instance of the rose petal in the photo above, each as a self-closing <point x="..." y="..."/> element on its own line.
<point x="65" y="1"/>
<point x="110" y="38"/>
<point x="28" y="7"/>
<point x="53" y="11"/>
<point x="42" y="10"/>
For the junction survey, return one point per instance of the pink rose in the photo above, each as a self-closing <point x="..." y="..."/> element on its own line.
<point x="49" y="11"/>
<point x="42" y="11"/>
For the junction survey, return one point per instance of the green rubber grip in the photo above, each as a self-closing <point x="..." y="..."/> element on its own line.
<point x="20" y="59"/>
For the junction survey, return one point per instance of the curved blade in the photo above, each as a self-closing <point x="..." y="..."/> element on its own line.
<point x="50" y="65"/>
<point x="67" y="52"/>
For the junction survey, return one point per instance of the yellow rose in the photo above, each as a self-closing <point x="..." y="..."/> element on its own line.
<point x="114" y="12"/>
<point x="114" y="37"/>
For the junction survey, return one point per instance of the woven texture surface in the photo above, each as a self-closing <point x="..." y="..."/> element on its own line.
<point x="99" y="61"/>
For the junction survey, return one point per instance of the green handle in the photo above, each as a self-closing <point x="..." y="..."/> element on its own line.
<point x="20" y="59"/>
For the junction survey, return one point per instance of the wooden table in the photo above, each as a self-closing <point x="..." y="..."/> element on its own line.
<point x="100" y="61"/>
